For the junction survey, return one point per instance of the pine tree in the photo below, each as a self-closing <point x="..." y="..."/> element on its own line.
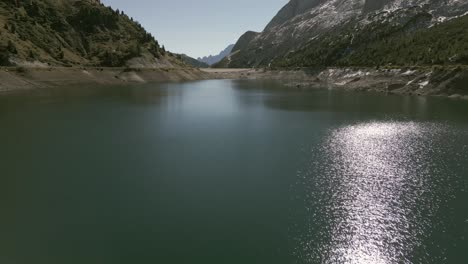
<point x="11" y="47"/>
<point x="31" y="54"/>
<point x="60" y="54"/>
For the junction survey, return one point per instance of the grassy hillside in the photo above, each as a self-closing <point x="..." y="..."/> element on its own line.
<point x="387" y="44"/>
<point x="74" y="32"/>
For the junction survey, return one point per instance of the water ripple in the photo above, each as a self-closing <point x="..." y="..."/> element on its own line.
<point x="372" y="192"/>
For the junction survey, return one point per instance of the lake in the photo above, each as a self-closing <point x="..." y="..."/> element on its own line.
<point x="231" y="171"/>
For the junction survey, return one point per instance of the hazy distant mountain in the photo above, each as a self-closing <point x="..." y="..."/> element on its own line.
<point x="210" y="60"/>
<point x="192" y="61"/>
<point x="358" y="32"/>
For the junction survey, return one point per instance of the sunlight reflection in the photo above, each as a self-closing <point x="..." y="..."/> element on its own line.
<point x="373" y="155"/>
<point x="367" y="189"/>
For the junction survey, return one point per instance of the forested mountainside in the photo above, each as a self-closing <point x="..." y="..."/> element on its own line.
<point x="75" y="32"/>
<point x="387" y="45"/>
<point x="358" y="33"/>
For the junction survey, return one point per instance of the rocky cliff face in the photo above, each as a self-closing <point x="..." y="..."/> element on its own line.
<point x="301" y="22"/>
<point x="291" y="10"/>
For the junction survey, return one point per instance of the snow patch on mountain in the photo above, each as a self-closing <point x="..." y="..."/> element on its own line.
<point x="302" y="21"/>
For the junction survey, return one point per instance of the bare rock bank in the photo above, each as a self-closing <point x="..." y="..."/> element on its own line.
<point x="434" y="81"/>
<point x="19" y="78"/>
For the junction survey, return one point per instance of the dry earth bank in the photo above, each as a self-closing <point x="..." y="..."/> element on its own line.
<point x="19" y="78"/>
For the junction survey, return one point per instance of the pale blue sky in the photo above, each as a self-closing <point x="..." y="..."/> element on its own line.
<point x="199" y="27"/>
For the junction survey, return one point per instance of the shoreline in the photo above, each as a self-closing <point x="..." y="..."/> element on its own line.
<point x="20" y="79"/>
<point x="449" y="82"/>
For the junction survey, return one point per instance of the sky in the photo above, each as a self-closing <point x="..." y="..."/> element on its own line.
<point x="199" y="27"/>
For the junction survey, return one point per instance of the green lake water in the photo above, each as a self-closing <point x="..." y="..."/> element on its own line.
<point x="234" y="172"/>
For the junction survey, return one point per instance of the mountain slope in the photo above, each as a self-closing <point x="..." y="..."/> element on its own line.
<point x="442" y="44"/>
<point x="192" y="61"/>
<point x="212" y="59"/>
<point x="335" y="27"/>
<point x="75" y="32"/>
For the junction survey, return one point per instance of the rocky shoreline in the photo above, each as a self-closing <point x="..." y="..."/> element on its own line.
<point x="434" y="81"/>
<point x="422" y="81"/>
<point x="21" y="78"/>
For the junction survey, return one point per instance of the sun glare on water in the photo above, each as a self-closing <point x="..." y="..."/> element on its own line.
<point x="369" y="194"/>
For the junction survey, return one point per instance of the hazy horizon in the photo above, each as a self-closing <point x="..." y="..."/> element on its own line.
<point x="201" y="30"/>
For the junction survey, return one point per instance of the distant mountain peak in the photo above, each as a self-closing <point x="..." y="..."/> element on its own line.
<point x="213" y="59"/>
